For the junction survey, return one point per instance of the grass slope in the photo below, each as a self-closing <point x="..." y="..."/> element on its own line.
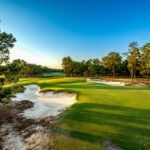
<point x="118" y="114"/>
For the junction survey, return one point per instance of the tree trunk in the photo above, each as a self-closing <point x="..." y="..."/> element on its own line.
<point x="148" y="77"/>
<point x="113" y="71"/>
<point x="132" y="75"/>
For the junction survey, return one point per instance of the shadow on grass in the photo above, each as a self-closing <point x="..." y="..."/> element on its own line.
<point x="121" y="141"/>
<point x="133" y="124"/>
<point x="126" y="110"/>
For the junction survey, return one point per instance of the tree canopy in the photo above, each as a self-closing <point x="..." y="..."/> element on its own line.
<point x="136" y="63"/>
<point x="6" y="42"/>
<point x="112" y="62"/>
<point x="145" y="60"/>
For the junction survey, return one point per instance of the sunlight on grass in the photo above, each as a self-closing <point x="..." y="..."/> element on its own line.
<point x="118" y="114"/>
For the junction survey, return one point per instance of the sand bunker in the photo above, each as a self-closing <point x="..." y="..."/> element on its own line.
<point x="106" y="82"/>
<point x="25" y="121"/>
<point x="45" y="104"/>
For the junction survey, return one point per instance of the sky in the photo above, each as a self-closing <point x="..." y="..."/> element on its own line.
<point x="48" y="30"/>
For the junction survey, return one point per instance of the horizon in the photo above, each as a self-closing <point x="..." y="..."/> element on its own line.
<point x="49" y="31"/>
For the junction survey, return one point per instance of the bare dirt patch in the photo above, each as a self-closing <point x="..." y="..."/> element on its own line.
<point x="17" y="132"/>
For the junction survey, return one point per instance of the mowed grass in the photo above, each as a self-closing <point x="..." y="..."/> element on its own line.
<point x="102" y="113"/>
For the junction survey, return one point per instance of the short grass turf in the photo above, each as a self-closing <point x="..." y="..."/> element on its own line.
<point x="102" y="113"/>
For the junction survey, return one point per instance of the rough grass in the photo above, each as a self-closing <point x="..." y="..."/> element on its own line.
<point x="118" y="114"/>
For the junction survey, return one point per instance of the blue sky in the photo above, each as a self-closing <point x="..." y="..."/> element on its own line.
<point x="48" y="30"/>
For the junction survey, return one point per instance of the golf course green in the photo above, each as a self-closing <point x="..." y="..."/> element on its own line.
<point x="103" y="117"/>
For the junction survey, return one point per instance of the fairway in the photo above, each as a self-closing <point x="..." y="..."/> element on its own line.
<point x="103" y="117"/>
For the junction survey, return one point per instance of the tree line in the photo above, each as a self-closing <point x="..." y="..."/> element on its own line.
<point x="17" y="68"/>
<point x="21" y="69"/>
<point x="135" y="62"/>
<point x="10" y="72"/>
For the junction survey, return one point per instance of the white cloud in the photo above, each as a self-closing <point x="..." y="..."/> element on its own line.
<point x="30" y="57"/>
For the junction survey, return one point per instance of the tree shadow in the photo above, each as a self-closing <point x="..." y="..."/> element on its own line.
<point x="132" y="122"/>
<point x="124" y="142"/>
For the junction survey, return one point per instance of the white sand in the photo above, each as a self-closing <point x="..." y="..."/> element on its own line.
<point x="106" y="82"/>
<point x="45" y="104"/>
<point x="14" y="141"/>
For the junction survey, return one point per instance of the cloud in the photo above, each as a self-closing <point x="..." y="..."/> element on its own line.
<point x="30" y="57"/>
